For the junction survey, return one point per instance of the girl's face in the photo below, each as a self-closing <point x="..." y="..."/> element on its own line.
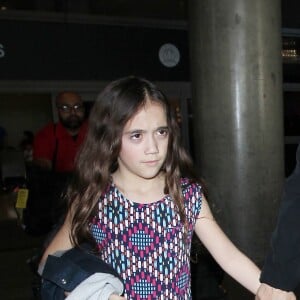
<point x="144" y="142"/>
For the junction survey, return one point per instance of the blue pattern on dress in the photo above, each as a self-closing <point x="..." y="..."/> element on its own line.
<point x="145" y="242"/>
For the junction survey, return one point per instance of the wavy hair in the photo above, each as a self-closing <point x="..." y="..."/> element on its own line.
<point x="97" y="160"/>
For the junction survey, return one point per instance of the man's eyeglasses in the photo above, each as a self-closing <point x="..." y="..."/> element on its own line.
<point x="69" y="108"/>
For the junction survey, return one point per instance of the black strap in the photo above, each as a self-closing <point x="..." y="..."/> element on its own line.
<point x="54" y="158"/>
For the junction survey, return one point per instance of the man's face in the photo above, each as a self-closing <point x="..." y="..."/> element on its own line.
<point x="71" y="110"/>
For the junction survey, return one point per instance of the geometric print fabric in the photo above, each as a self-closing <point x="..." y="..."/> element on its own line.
<point x="146" y="244"/>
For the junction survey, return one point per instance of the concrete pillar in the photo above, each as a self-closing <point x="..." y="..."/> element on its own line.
<point x="238" y="114"/>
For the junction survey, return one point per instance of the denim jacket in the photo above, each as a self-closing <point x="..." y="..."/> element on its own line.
<point x="65" y="273"/>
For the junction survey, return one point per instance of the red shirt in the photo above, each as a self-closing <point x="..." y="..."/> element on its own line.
<point x="51" y="137"/>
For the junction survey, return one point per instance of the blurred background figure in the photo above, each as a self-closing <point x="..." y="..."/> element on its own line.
<point x="56" y="145"/>
<point x="26" y="146"/>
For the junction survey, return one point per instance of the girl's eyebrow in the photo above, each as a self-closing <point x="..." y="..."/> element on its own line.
<point x="134" y="130"/>
<point x="143" y="130"/>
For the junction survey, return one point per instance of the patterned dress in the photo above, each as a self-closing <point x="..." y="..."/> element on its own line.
<point x="145" y="242"/>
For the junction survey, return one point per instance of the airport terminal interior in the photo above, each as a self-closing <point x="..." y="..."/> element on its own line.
<point x="18" y="249"/>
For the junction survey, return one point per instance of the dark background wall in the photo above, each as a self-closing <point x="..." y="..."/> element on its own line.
<point x="67" y="51"/>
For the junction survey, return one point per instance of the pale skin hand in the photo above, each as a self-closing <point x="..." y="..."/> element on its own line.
<point x="231" y="259"/>
<point x="267" y="292"/>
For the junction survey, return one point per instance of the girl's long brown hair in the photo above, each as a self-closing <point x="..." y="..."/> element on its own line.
<point x="97" y="160"/>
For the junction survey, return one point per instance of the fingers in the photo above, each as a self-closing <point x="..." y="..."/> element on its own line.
<point x="267" y="292"/>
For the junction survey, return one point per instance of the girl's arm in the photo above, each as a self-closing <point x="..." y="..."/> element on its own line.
<point x="61" y="240"/>
<point x="231" y="260"/>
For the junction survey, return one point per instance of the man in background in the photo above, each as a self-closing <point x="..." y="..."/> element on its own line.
<point x="54" y="151"/>
<point x="55" y="148"/>
<point x="56" y="145"/>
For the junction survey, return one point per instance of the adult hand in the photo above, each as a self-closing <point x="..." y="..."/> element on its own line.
<point x="267" y="292"/>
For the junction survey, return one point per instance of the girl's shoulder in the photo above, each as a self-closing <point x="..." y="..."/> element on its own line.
<point x="190" y="184"/>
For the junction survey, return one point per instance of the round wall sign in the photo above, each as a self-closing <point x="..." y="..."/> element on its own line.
<point x="169" y="55"/>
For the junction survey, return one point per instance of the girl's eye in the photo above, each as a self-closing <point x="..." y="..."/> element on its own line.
<point x="136" y="136"/>
<point x="162" y="132"/>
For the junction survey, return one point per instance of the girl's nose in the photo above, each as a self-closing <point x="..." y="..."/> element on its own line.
<point x="151" y="146"/>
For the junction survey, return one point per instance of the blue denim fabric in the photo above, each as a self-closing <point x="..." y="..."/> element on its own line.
<point x="66" y="272"/>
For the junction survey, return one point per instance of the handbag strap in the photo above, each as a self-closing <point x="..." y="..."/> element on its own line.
<point x="54" y="158"/>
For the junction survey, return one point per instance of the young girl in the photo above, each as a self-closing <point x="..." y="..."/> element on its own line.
<point x="135" y="197"/>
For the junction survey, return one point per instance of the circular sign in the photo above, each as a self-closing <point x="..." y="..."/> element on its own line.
<point x="169" y="55"/>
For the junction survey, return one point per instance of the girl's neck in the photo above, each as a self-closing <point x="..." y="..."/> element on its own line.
<point x="138" y="189"/>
